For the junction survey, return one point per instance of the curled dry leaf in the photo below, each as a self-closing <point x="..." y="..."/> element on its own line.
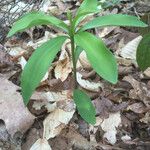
<point x="55" y="122"/>
<point x="18" y="118"/>
<point x="91" y="86"/>
<point x="84" y="61"/>
<point x="137" y="108"/>
<point x="63" y="67"/>
<point x="129" y="51"/>
<point x="109" y="126"/>
<point x="41" y="144"/>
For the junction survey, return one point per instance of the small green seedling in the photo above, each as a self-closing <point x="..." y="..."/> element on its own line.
<point x="100" y="57"/>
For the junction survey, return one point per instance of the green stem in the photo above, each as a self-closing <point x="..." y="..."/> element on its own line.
<point x="73" y="61"/>
<point x="71" y="34"/>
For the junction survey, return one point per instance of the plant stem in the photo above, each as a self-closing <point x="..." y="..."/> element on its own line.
<point x="73" y="61"/>
<point x="71" y="34"/>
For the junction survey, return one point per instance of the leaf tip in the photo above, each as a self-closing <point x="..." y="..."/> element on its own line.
<point x="9" y="34"/>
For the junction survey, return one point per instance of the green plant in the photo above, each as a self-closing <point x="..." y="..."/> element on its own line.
<point x="143" y="50"/>
<point x="101" y="59"/>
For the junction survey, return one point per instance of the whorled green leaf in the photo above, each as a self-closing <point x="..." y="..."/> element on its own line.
<point x="78" y="51"/>
<point x="38" y="64"/>
<point x="84" y="106"/>
<point x="114" y="20"/>
<point x="101" y="59"/>
<point x="35" y="18"/>
<point x="87" y="7"/>
<point x="143" y="53"/>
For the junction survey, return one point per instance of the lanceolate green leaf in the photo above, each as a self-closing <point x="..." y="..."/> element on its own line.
<point x="143" y="53"/>
<point x="35" y="18"/>
<point x="84" y="106"/>
<point x="114" y="20"/>
<point x="101" y="59"/>
<point x="78" y="51"/>
<point x="38" y="64"/>
<point x="87" y="7"/>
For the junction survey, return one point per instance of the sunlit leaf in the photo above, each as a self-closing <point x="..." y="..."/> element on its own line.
<point x="33" y="19"/>
<point x="38" y="64"/>
<point x="84" y="106"/>
<point x="114" y="20"/>
<point x="101" y="59"/>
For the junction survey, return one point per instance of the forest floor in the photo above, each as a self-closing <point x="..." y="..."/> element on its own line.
<point x="122" y="110"/>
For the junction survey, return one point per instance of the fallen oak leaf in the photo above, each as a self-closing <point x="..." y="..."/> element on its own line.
<point x="55" y="122"/>
<point x="41" y="144"/>
<point x="129" y="51"/>
<point x="109" y="126"/>
<point x="63" y="67"/>
<point x="12" y="109"/>
<point x="104" y="107"/>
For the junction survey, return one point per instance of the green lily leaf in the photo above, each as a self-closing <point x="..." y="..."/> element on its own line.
<point x="143" y="53"/>
<point x="101" y="59"/>
<point x="84" y="106"/>
<point x="78" y="52"/>
<point x="114" y="20"/>
<point x="87" y="7"/>
<point x="38" y="64"/>
<point x="35" y="18"/>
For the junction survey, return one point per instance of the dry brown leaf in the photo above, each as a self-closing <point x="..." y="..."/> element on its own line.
<point x="52" y="96"/>
<point x="139" y="91"/>
<point x="109" y="126"/>
<point x="104" y="106"/>
<point x="129" y="51"/>
<point x="146" y="118"/>
<point x="12" y="109"/>
<point x="126" y="138"/>
<point x="6" y="62"/>
<point x="63" y="67"/>
<point x="41" y="144"/>
<point x="91" y="86"/>
<point x="84" y="61"/>
<point x="123" y="61"/>
<point x="55" y="122"/>
<point x="147" y="72"/>
<point x="137" y="108"/>
<point x="40" y="41"/>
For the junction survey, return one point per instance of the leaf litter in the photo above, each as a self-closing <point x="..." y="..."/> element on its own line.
<point x="59" y="123"/>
